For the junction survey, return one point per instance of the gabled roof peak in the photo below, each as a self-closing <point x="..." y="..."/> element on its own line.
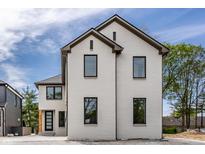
<point x="162" y="49"/>
<point x="116" y="47"/>
<point x="11" y="88"/>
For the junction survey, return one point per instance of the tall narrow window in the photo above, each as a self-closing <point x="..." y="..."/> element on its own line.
<point x="114" y="36"/>
<point x="48" y="120"/>
<point x="61" y="118"/>
<point x="90" y="110"/>
<point x="91" y="44"/>
<point x="139" y="111"/>
<point x="139" y="67"/>
<point x="49" y="92"/>
<point x="90" y="65"/>
<point x="58" y="92"/>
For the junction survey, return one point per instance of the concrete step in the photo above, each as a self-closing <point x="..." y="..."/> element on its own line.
<point x="47" y="133"/>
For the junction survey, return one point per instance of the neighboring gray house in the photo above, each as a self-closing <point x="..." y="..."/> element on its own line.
<point x="110" y="87"/>
<point x="10" y="110"/>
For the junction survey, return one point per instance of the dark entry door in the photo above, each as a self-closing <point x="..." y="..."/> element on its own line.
<point x="48" y="120"/>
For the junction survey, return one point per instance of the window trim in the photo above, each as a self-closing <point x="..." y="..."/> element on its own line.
<point x="54" y="87"/>
<point x="59" y="119"/>
<point x="145" y="108"/>
<point x="145" y="67"/>
<point x="94" y="55"/>
<point x="51" y="120"/>
<point x="96" y="111"/>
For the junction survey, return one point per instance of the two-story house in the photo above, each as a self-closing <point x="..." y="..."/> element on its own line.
<point x="10" y="110"/>
<point x="110" y="87"/>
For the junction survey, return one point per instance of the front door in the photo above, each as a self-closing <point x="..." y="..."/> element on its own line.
<point x="48" y="120"/>
<point x="1" y="123"/>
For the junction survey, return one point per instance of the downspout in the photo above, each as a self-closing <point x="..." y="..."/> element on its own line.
<point x="66" y="86"/>
<point x="116" y="97"/>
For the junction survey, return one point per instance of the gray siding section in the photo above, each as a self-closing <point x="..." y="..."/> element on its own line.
<point x="13" y="113"/>
<point x="2" y="95"/>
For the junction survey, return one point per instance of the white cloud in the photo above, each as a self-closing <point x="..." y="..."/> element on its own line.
<point x="47" y="45"/>
<point x="14" y="75"/>
<point x="181" y="33"/>
<point x="18" y="24"/>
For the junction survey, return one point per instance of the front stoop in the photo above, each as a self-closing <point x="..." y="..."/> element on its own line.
<point x="47" y="133"/>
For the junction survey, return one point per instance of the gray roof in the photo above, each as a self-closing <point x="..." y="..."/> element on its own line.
<point x="2" y="82"/>
<point x="49" y="81"/>
<point x="14" y="90"/>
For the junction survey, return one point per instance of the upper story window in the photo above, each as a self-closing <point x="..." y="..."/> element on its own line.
<point x="54" y="92"/>
<point x="139" y="111"/>
<point x="114" y="36"/>
<point x="139" y="67"/>
<point x="90" y="65"/>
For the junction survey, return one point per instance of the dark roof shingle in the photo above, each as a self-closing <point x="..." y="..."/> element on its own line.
<point x="52" y="80"/>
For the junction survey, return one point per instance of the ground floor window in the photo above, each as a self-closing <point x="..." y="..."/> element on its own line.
<point x="61" y="118"/>
<point x="90" y="110"/>
<point x="48" y="120"/>
<point x="139" y="110"/>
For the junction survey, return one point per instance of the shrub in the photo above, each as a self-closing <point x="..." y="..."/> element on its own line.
<point x="170" y="130"/>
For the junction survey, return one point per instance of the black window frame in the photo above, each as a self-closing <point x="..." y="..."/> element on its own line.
<point x="96" y="70"/>
<point x="145" y="69"/>
<point x="54" y="98"/>
<point x="91" y="44"/>
<point x="145" y="103"/>
<point x="114" y="35"/>
<point x="51" y="129"/>
<point x="59" y="119"/>
<point x="95" y="123"/>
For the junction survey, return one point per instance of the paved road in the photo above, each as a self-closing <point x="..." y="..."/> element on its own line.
<point x="48" y="140"/>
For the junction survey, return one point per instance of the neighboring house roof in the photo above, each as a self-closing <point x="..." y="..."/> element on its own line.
<point x="116" y="47"/>
<point x="162" y="49"/>
<point x="55" y="80"/>
<point x="2" y="82"/>
<point x="11" y="88"/>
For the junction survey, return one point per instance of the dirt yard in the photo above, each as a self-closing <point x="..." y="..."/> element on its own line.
<point x="194" y="135"/>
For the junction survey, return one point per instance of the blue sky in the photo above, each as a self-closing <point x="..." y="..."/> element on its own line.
<point x="31" y="39"/>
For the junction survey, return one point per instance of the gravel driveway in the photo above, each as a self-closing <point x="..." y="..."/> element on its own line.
<point x="48" y="140"/>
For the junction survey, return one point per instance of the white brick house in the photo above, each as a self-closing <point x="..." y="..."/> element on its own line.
<point x="111" y="86"/>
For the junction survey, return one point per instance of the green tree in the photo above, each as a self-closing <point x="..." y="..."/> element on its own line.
<point x="30" y="108"/>
<point x="183" y="77"/>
